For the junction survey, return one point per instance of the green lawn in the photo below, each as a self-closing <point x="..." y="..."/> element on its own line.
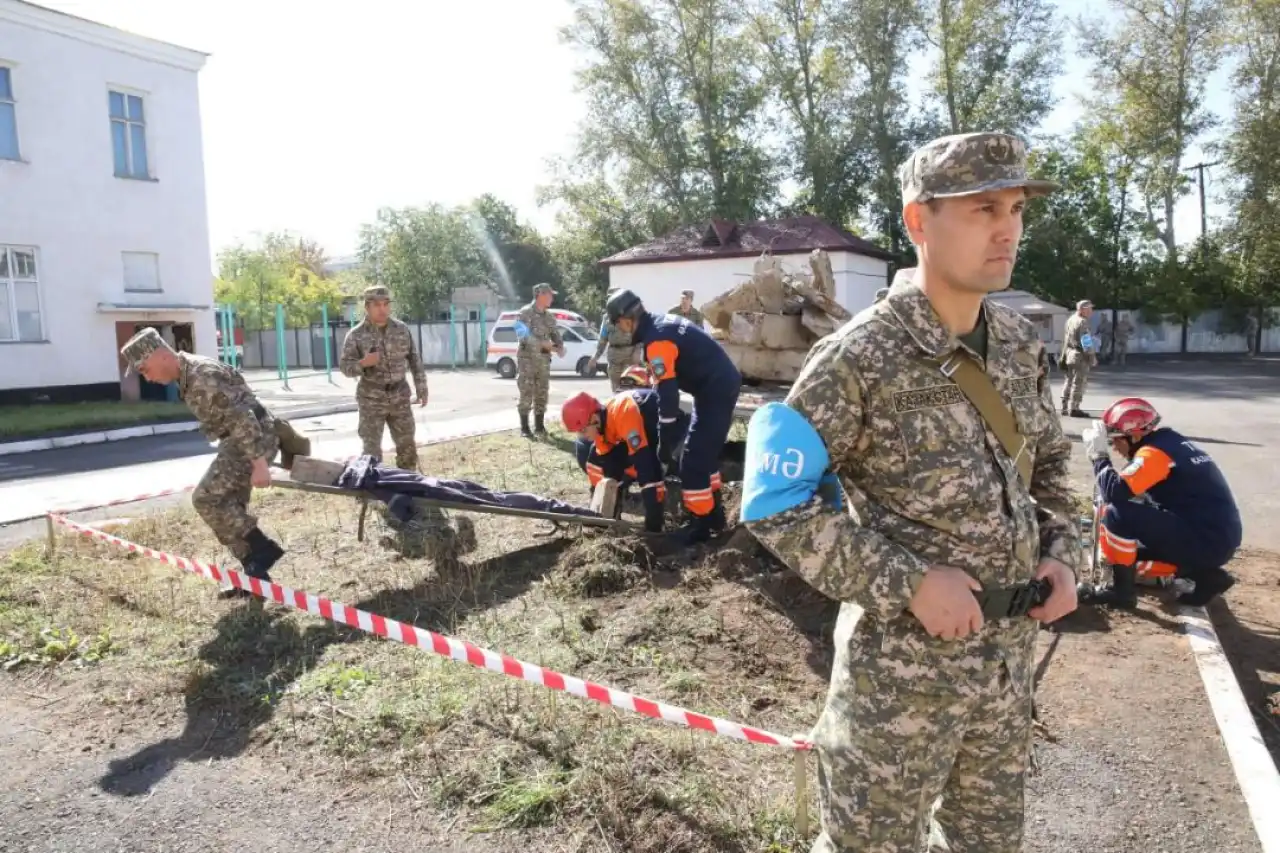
<point x="39" y="419"/>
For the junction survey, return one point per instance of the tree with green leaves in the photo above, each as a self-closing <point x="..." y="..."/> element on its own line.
<point x="280" y="269"/>
<point x="995" y="62"/>
<point x="1149" y="76"/>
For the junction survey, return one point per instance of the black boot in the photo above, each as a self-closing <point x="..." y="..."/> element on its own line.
<point x="538" y="428"/>
<point x="1209" y="586"/>
<point x="716" y="521"/>
<point x="1121" y="594"/>
<point x="263" y="554"/>
<point x="524" y="426"/>
<point x="697" y="529"/>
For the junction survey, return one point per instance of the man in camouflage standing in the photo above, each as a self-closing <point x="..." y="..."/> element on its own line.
<point x="230" y="414"/>
<point x="931" y="687"/>
<point x="622" y="352"/>
<point x="686" y="310"/>
<point x="539" y="336"/>
<point x="1120" y="339"/>
<point x="1078" y="356"/>
<point x="378" y="352"/>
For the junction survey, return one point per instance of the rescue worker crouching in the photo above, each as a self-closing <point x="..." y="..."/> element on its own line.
<point x="682" y="356"/>
<point x="1169" y="511"/>
<point x="622" y="433"/>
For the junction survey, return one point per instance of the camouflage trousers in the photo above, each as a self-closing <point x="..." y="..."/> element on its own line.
<point x="394" y="410"/>
<point x="1077" y="377"/>
<point x="221" y="498"/>
<point x="1121" y="350"/>
<point x="619" y="359"/>
<point x="533" y="380"/>
<point x="895" y="736"/>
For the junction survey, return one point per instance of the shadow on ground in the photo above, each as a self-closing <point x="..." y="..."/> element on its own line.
<point x="257" y="653"/>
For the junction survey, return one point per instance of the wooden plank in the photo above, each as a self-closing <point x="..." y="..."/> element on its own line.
<point x="584" y="520"/>
<point x="320" y="472"/>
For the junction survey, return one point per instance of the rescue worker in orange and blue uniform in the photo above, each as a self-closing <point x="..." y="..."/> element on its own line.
<point x="625" y="437"/>
<point x="1168" y="512"/>
<point x="682" y="356"/>
<point x="635" y="376"/>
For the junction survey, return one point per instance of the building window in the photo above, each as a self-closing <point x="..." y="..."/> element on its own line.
<point x="128" y="135"/>
<point x="141" y="272"/>
<point x="19" y="295"/>
<point x="8" y="116"/>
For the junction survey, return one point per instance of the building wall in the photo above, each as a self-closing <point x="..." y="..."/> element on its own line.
<point x="62" y="198"/>
<point x="857" y="278"/>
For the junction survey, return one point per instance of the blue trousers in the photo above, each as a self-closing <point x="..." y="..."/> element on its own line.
<point x="708" y="431"/>
<point x="1194" y="547"/>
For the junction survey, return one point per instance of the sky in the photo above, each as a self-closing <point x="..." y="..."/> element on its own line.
<point x="316" y="114"/>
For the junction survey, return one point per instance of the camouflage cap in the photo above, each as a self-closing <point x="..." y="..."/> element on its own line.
<point x="140" y="347"/>
<point x="543" y="288"/>
<point x="376" y="291"/>
<point x="688" y="293"/>
<point x="968" y="163"/>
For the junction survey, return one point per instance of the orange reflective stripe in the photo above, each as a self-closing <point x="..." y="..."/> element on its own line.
<point x="631" y="472"/>
<point x="699" y="501"/>
<point x="1116" y="549"/>
<point x="594" y="474"/>
<point x="716" y="485"/>
<point x="662" y="356"/>
<point x="1150" y="466"/>
<point x="1156" y="569"/>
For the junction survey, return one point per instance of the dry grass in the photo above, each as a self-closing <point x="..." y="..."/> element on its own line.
<point x="714" y="633"/>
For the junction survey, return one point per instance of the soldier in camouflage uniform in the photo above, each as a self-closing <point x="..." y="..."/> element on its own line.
<point x="1120" y="339"/>
<point x="931" y="687"/>
<point x="1078" y="356"/>
<point x="230" y="414"/>
<point x="622" y="353"/>
<point x="686" y="310"/>
<point x="539" y="337"/>
<point x="378" y="352"/>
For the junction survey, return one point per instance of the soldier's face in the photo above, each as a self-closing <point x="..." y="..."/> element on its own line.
<point x="543" y="300"/>
<point x="686" y="302"/>
<point x="626" y="325"/>
<point x="971" y="241"/>
<point x="378" y="311"/>
<point x="160" y="367"/>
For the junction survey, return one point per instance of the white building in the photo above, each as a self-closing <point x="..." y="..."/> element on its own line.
<point x="716" y="256"/>
<point x="103" y="224"/>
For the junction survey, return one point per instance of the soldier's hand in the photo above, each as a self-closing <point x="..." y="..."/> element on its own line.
<point x="560" y="350"/>
<point x="422" y="399"/>
<point x="592" y="365"/>
<point x="371" y="359"/>
<point x="1062" y="596"/>
<point x="261" y="476"/>
<point x="945" y="603"/>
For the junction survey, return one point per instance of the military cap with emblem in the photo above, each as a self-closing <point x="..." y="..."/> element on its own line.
<point x="139" y="348"/>
<point x="543" y="288"/>
<point x="968" y="163"/>
<point x="376" y="291"/>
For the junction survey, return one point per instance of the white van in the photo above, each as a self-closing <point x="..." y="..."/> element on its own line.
<point x="580" y="339"/>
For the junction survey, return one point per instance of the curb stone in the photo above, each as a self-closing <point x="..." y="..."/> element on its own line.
<point x="10" y="448"/>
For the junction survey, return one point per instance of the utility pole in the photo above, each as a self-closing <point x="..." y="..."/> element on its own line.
<point x="1204" y="210"/>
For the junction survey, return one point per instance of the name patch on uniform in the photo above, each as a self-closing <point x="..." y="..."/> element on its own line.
<point x="1023" y="386"/>
<point x="933" y="397"/>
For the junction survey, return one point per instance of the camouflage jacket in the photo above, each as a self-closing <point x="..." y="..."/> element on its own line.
<point x="693" y="315"/>
<point x="1074" y="339"/>
<point x="927" y="481"/>
<point x="612" y="336"/>
<point x="225" y="406"/>
<point x="395" y="344"/>
<point x="534" y="327"/>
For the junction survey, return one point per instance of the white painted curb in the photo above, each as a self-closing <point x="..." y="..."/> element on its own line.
<point x="10" y="448"/>
<point x="1255" y="771"/>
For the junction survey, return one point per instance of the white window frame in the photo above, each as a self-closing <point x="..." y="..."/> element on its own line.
<point x="12" y="100"/>
<point x="7" y="283"/>
<point x="126" y="93"/>
<point x="159" y="288"/>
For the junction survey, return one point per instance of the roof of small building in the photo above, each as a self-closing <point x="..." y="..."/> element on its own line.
<point x="722" y="238"/>
<point x="1026" y="303"/>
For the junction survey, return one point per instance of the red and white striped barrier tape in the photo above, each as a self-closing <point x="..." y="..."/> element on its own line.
<point x="459" y="650"/>
<point x="439" y="439"/>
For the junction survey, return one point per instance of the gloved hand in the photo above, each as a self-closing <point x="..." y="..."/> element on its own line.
<point x="1095" y="441"/>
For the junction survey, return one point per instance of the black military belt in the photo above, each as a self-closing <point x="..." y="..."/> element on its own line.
<point x="1013" y="602"/>
<point x="388" y="386"/>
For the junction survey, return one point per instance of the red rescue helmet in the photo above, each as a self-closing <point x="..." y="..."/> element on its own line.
<point x="1131" y="417"/>
<point x="635" y="376"/>
<point x="578" y="410"/>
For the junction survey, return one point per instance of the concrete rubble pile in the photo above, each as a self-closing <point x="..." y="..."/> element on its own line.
<point x="768" y="324"/>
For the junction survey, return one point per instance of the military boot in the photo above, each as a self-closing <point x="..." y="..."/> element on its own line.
<point x="1121" y="594"/>
<point x="524" y="426"/>
<point x="1209" y="586"/>
<point x="538" y="428"/>
<point x="716" y="521"/>
<point x="263" y="554"/>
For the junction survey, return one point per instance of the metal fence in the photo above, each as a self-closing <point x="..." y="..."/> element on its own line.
<point x="456" y="338"/>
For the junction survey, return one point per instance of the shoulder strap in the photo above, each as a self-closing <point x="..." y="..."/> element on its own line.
<point x="977" y="386"/>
